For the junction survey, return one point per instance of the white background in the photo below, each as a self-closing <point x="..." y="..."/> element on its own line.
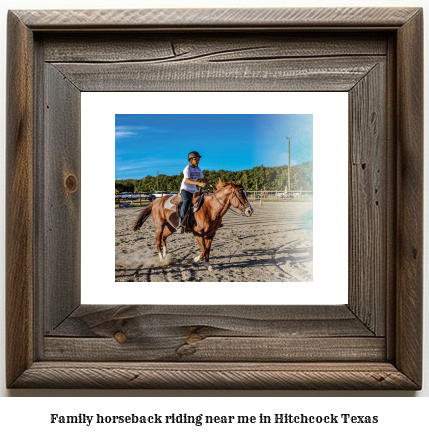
<point x="399" y="413"/>
<point x="330" y="281"/>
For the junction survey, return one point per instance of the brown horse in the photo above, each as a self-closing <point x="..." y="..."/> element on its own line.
<point x="207" y="219"/>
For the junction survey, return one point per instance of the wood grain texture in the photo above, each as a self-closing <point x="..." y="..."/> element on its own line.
<point x="179" y="47"/>
<point x="391" y="194"/>
<point x="186" y="347"/>
<point x="410" y="199"/>
<point x="19" y="205"/>
<point x="331" y="74"/>
<point x="39" y="201"/>
<point x="215" y="376"/>
<point x="207" y="18"/>
<point x="61" y="212"/>
<point x="213" y="333"/>
<point x="193" y="348"/>
<point x="98" y="321"/>
<point x="368" y="202"/>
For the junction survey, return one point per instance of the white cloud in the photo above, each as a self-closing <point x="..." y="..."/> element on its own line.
<point x="124" y="134"/>
<point x="150" y="163"/>
<point x="133" y="167"/>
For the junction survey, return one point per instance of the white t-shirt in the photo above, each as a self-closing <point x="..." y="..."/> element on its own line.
<point x="193" y="174"/>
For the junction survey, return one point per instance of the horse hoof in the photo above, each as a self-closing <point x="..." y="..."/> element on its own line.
<point x="209" y="267"/>
<point x="197" y="259"/>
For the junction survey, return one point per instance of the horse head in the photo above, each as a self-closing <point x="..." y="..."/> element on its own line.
<point x="237" y="195"/>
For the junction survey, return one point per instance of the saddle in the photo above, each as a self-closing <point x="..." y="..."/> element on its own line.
<point x="196" y="203"/>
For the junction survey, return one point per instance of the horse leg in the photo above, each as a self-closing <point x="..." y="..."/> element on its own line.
<point x="201" y="243"/>
<point x="207" y="253"/>
<point x="167" y="231"/>
<point x="204" y="244"/>
<point x="159" y="239"/>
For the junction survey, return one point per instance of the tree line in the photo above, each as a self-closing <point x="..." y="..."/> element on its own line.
<point x="272" y="178"/>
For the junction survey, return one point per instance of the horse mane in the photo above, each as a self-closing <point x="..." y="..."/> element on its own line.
<point x="221" y="184"/>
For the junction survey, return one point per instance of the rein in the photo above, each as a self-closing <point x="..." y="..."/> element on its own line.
<point x="229" y="207"/>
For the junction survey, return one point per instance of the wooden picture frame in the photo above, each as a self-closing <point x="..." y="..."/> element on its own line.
<point x="373" y="342"/>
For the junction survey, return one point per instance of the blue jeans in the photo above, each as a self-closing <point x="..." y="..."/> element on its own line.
<point x="186" y="201"/>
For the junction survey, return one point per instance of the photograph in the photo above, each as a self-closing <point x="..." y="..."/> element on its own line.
<point x="214" y="197"/>
<point x="227" y="187"/>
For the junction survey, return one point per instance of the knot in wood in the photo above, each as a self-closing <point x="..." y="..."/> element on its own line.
<point x="193" y="337"/>
<point x="71" y="183"/>
<point x="120" y="337"/>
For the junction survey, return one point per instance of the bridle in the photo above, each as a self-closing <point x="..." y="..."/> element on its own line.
<point x="242" y="205"/>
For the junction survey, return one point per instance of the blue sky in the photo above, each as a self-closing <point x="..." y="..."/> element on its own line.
<point x="145" y="144"/>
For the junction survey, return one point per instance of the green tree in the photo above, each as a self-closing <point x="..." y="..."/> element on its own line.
<point x="124" y="185"/>
<point x="273" y="178"/>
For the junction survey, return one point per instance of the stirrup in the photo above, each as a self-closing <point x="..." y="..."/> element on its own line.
<point x="180" y="229"/>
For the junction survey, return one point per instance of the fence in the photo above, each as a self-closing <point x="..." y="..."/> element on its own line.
<point x="141" y="199"/>
<point x="280" y="195"/>
<point x="127" y="200"/>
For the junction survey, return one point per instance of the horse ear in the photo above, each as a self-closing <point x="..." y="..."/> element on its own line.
<point x="239" y="183"/>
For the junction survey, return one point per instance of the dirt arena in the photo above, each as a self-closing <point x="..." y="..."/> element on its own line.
<point x="274" y="244"/>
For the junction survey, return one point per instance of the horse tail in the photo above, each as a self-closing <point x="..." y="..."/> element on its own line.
<point x="143" y="216"/>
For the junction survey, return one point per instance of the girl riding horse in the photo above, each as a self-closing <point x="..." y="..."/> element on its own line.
<point x="188" y="188"/>
<point x="208" y="218"/>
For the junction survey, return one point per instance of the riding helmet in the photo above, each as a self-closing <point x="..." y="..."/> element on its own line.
<point x="193" y="154"/>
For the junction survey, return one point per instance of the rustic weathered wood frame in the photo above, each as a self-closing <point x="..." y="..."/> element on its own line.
<point x="374" y="342"/>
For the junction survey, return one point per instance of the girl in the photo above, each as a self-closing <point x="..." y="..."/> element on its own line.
<point x="191" y="174"/>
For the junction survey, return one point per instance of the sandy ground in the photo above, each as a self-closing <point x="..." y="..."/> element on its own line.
<point x="274" y="244"/>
